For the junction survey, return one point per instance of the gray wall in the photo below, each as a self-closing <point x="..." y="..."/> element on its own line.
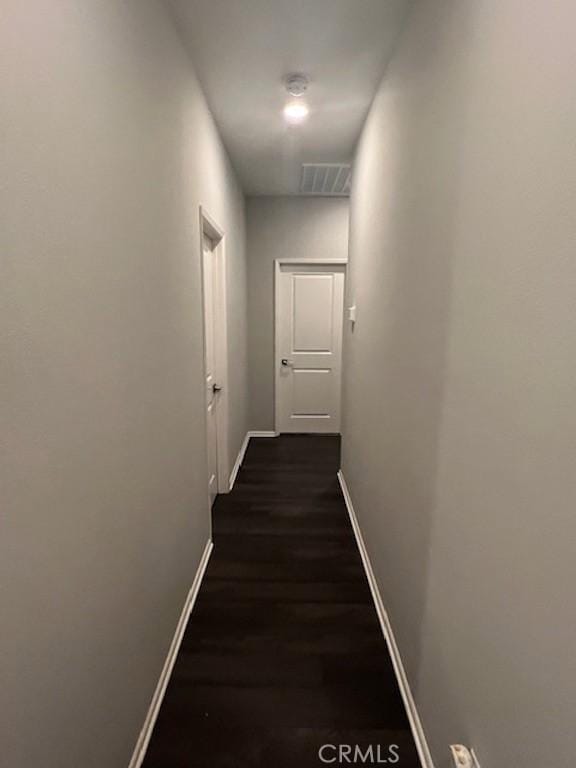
<point x="107" y="151"/>
<point x="282" y="227"/>
<point x="460" y="404"/>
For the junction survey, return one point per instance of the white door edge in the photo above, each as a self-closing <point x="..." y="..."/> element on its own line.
<point x="209" y="228"/>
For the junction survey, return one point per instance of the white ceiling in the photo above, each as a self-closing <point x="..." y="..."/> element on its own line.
<point x="242" y="50"/>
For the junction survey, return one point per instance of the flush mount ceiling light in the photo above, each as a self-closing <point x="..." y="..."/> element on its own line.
<point x="296" y="110"/>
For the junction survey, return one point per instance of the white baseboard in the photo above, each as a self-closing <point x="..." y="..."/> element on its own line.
<point x="265" y="433"/>
<point x="409" y="703"/>
<point x="242" y="452"/>
<point x="239" y="460"/>
<point x="146" y="732"/>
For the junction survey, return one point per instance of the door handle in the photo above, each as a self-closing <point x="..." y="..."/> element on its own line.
<point x="216" y="388"/>
<point x="285" y="362"/>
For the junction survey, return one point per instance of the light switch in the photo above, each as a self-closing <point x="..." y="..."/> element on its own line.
<point x="463" y="758"/>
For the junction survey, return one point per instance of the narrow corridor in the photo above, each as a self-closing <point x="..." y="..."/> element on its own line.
<point x="283" y="652"/>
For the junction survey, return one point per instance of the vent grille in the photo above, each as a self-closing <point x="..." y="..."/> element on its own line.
<point x="326" y="179"/>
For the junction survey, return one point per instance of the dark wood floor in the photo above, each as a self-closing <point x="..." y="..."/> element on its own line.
<point x="283" y="652"/>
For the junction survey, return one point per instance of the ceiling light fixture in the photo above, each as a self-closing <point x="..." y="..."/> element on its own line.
<point x="296" y="112"/>
<point x="296" y="85"/>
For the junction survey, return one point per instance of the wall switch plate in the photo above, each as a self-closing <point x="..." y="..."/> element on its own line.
<point x="463" y="757"/>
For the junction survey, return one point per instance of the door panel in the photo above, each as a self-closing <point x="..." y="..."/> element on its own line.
<point x="309" y="314"/>
<point x="313" y="296"/>
<point x="312" y="392"/>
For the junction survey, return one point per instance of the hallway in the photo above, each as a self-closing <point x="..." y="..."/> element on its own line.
<point x="350" y="224"/>
<point x="283" y="652"/>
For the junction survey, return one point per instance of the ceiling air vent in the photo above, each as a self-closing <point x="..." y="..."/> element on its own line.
<point x="325" y="179"/>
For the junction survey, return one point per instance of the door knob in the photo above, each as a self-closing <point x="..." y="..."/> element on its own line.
<point x="286" y="362"/>
<point x="216" y="388"/>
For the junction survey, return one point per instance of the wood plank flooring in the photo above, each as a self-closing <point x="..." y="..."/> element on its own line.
<point x="283" y="652"/>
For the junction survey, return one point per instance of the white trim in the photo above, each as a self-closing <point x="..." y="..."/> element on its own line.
<point x="239" y="460"/>
<point x="146" y="732"/>
<point x="311" y="261"/>
<point x="242" y="452"/>
<point x="210" y="229"/>
<point x="277" y="271"/>
<point x="409" y="703"/>
<point x="263" y="433"/>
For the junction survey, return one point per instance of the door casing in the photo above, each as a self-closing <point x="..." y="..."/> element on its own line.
<point x="278" y="264"/>
<point x="210" y="229"/>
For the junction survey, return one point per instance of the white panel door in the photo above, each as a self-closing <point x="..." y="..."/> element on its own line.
<point x="212" y="392"/>
<point x="309" y="315"/>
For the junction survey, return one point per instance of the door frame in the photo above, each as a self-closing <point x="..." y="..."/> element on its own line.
<point x="210" y="229"/>
<point x="278" y="264"/>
